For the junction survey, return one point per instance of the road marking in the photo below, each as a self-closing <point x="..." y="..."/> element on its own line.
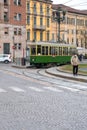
<point x="17" y="89"/>
<point x="2" y="90"/>
<point x="36" y="89"/>
<point x="53" y="89"/>
<point x="71" y="89"/>
<point x="79" y="86"/>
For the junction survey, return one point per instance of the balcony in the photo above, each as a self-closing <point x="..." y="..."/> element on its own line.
<point x="5" y="4"/>
<point x="39" y="27"/>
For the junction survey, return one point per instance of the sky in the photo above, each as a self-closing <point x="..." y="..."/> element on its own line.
<point x="77" y="4"/>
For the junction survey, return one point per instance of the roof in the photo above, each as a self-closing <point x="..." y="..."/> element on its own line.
<point x="51" y="44"/>
<point x="69" y="9"/>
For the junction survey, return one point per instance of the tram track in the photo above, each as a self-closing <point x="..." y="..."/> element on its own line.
<point x="39" y="75"/>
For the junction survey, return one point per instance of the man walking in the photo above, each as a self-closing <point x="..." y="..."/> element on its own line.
<point x="75" y="63"/>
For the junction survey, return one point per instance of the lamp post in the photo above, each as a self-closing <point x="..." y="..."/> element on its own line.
<point x="60" y="16"/>
<point x="13" y="50"/>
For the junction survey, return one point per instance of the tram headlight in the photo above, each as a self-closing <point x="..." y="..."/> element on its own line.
<point x="32" y="59"/>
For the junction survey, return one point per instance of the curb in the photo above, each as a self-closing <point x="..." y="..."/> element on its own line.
<point x="66" y="77"/>
<point x="20" y="67"/>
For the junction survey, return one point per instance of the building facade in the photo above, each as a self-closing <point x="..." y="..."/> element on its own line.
<point x="13" y="27"/>
<point x="26" y="21"/>
<point x="73" y="28"/>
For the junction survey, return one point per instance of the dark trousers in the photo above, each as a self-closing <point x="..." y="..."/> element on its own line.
<point x="75" y="69"/>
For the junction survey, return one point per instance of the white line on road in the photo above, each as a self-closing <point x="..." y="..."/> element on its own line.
<point x="2" y="90"/>
<point x="36" y="89"/>
<point x="53" y="89"/>
<point x="71" y="89"/>
<point x="80" y="86"/>
<point x="17" y="89"/>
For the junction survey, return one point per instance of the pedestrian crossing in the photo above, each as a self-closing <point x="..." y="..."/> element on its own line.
<point x="26" y="89"/>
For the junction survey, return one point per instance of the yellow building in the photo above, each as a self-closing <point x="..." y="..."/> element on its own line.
<point x="38" y="20"/>
<point x="73" y="27"/>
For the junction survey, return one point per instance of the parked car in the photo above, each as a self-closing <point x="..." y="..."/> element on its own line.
<point x="6" y="58"/>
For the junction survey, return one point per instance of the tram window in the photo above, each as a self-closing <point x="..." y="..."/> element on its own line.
<point x="52" y="51"/>
<point x="46" y="50"/>
<point x="57" y="50"/>
<point x="65" y="51"/>
<point x="33" y="50"/>
<point x="72" y="51"/>
<point x="60" y="50"/>
<point x="38" y="49"/>
<point x="43" y="50"/>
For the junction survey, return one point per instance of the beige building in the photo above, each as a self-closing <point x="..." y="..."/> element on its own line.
<point x="73" y="27"/>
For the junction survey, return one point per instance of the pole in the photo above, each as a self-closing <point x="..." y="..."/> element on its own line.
<point x="59" y="19"/>
<point x="59" y="28"/>
<point x="13" y="50"/>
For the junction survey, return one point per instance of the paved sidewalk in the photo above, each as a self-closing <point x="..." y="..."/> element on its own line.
<point x="57" y="72"/>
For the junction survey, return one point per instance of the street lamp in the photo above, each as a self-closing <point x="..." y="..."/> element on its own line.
<point x="13" y="50"/>
<point x="60" y="16"/>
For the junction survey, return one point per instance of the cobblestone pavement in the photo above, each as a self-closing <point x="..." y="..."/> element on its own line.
<point x="37" y="102"/>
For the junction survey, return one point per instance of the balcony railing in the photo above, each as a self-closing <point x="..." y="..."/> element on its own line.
<point x="39" y="27"/>
<point x="5" y="4"/>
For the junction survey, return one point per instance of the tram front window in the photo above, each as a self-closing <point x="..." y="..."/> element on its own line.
<point x="33" y="50"/>
<point x="39" y="50"/>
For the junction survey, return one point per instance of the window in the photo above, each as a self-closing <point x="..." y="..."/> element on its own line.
<point x="68" y="40"/>
<point x="47" y="10"/>
<point x="65" y="50"/>
<point x="17" y="2"/>
<point x="19" y="31"/>
<point x="60" y="50"/>
<point x="47" y="35"/>
<point x="15" y="31"/>
<point x="41" y="8"/>
<point x="6" y="30"/>
<point x="41" y="36"/>
<point x="28" y="19"/>
<point x="17" y="46"/>
<point x="47" y="22"/>
<point x="41" y="21"/>
<point x="28" y="6"/>
<point x="34" y="35"/>
<point x="28" y="34"/>
<point x="35" y="7"/>
<point x="5" y="2"/>
<point x="17" y="17"/>
<point x="39" y="49"/>
<point x="53" y="36"/>
<point x="34" y="20"/>
<point x="72" y="40"/>
<point x="5" y="16"/>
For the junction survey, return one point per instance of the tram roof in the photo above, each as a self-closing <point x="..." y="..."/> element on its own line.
<point x="51" y="44"/>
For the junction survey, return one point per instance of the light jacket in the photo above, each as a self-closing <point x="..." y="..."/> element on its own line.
<point x="74" y="60"/>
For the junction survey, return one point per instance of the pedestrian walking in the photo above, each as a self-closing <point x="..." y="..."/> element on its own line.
<point x="75" y="63"/>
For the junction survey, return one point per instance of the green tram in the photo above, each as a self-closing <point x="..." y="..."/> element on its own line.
<point x="42" y="54"/>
